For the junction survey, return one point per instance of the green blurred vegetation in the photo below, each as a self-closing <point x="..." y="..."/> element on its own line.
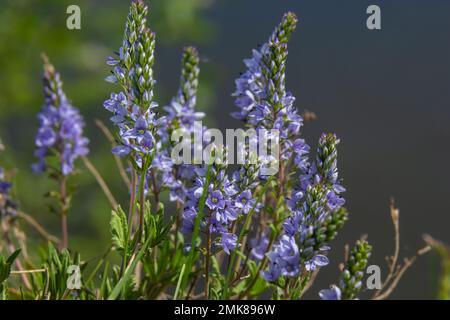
<point x="443" y="253"/>
<point x="29" y="27"/>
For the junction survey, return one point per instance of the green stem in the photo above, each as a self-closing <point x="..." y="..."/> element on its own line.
<point x="64" y="209"/>
<point x="141" y="206"/>
<point x="208" y="254"/>
<point x="195" y="234"/>
<point x="261" y="266"/>
<point x="244" y="230"/>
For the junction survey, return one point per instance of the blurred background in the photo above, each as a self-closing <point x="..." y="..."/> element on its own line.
<point x="385" y="93"/>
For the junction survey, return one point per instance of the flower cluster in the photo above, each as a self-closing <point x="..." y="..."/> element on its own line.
<point x="132" y="108"/>
<point x="261" y="94"/>
<point x="227" y="199"/>
<point x="144" y="134"/>
<point x="181" y="115"/>
<point x="315" y="204"/>
<point x="60" y="132"/>
<point x="249" y="231"/>
<point x="350" y="283"/>
<point x="304" y="218"/>
<point x="181" y="111"/>
<point x="8" y="208"/>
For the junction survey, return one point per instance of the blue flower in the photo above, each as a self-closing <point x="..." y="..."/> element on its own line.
<point x="292" y="224"/>
<point x="245" y="201"/>
<point x="284" y="258"/>
<point x="8" y="208"/>
<point x="318" y="261"/>
<point x="133" y="70"/>
<point x="118" y="105"/>
<point x="334" y="293"/>
<point x="215" y="200"/>
<point x="189" y="215"/>
<point x="301" y="149"/>
<point x="5" y="187"/>
<point x="143" y="140"/>
<point x="228" y="241"/>
<point x="260" y="248"/>
<point x="61" y="127"/>
<point x="273" y="272"/>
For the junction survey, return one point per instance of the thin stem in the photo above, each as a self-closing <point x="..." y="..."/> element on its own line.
<point x="196" y="231"/>
<point x="191" y="287"/>
<point x="208" y="254"/>
<point x="64" y="232"/>
<point x="246" y="226"/>
<point x="64" y="209"/>
<point x="177" y="290"/>
<point x="272" y="237"/>
<point x="286" y="289"/>
<point x="392" y="261"/>
<point x="177" y="223"/>
<point x="396" y="279"/>
<point x="261" y="266"/>
<point x="40" y="229"/>
<point x="141" y="206"/>
<point x="28" y="271"/>
<point x="310" y="282"/>
<point x="132" y="198"/>
<point x="119" y="163"/>
<point x="131" y="210"/>
<point x="11" y="249"/>
<point x="101" y="182"/>
<point x="155" y="189"/>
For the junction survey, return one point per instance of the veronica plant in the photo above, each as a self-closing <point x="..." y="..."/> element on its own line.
<point x="59" y="140"/>
<point x="231" y="231"/>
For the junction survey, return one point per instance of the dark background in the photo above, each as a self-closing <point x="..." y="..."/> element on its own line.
<point x="385" y="93"/>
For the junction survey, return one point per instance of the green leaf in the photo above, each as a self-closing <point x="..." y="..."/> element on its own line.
<point x="13" y="257"/>
<point x="5" y="266"/>
<point x="119" y="229"/>
<point x="121" y="285"/>
<point x="177" y="290"/>
<point x="259" y="287"/>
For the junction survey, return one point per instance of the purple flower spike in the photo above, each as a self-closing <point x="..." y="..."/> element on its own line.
<point x="61" y="127"/>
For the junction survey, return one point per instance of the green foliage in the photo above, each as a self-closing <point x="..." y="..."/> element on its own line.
<point x="5" y="271"/>
<point x="119" y="229"/>
<point x="29" y="28"/>
<point x="154" y="225"/>
<point x="443" y="251"/>
<point x="5" y="265"/>
<point x="123" y="286"/>
<point x="55" y="279"/>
